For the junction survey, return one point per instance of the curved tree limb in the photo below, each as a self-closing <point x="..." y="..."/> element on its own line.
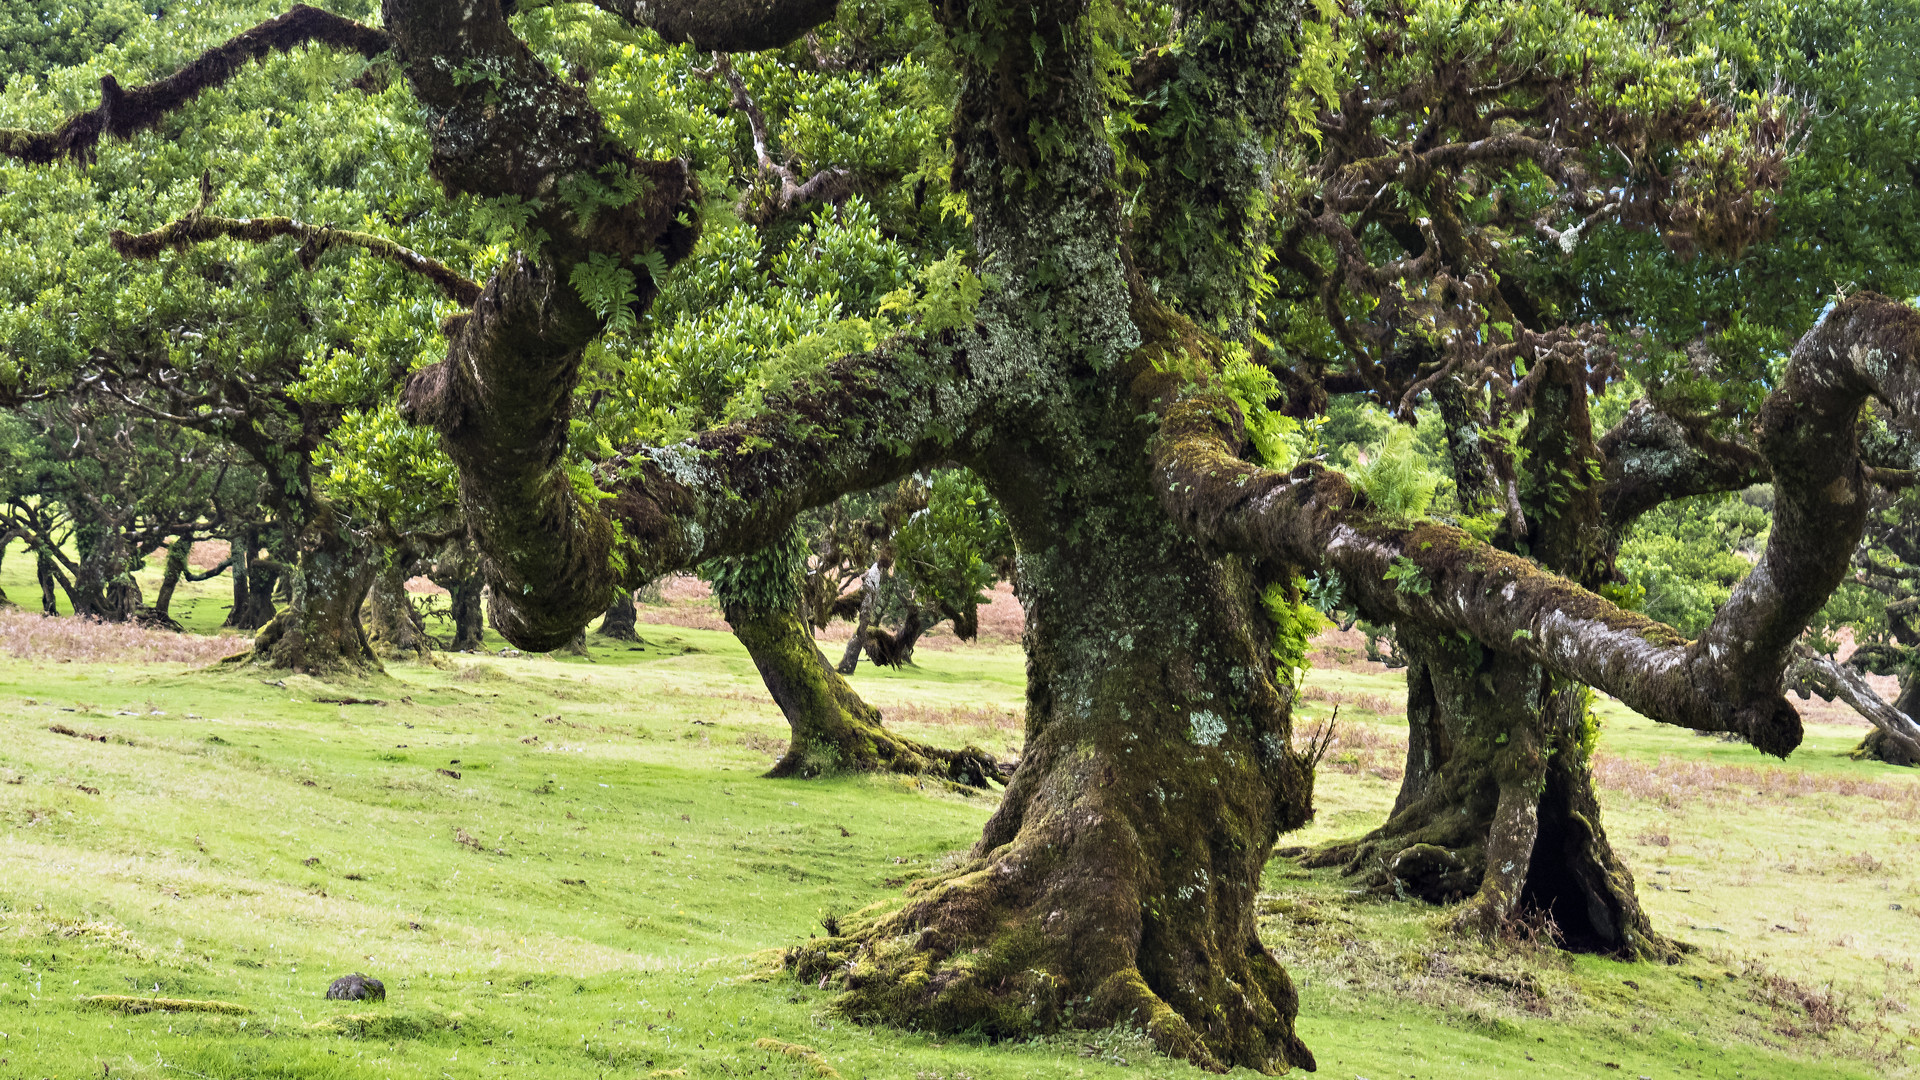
<point x="1654" y="457"/>
<point x="198" y="226"/>
<point x="1727" y="680"/>
<point x="122" y="113"/>
<point x="1810" y="675"/>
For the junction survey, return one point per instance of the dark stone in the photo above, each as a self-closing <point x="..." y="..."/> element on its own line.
<point x="357" y="987"/>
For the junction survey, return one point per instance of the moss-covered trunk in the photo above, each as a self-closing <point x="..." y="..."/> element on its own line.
<point x="319" y="632"/>
<point x="833" y="729"/>
<point x="622" y="620"/>
<point x="469" y="613"/>
<point x="1497" y="807"/>
<point x="1116" y="882"/>
<point x="394" y="628"/>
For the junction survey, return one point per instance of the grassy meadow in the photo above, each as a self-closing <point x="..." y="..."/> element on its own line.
<point x="571" y="868"/>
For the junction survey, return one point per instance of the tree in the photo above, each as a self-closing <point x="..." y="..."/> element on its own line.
<point x="833" y="729"/>
<point x="1088" y="359"/>
<point x="98" y="489"/>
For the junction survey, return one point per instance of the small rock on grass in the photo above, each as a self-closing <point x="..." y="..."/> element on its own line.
<point x="357" y="987"/>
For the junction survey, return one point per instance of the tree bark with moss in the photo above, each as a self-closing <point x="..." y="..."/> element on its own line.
<point x="622" y="619"/>
<point x="1497" y="807"/>
<point x="833" y="729"/>
<point x="1116" y="881"/>
<point x="394" y="628"/>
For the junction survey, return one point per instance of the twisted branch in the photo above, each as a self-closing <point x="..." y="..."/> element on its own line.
<point x="827" y="185"/>
<point x="1729" y="679"/>
<point x="198" y="227"/>
<point x="122" y="113"/>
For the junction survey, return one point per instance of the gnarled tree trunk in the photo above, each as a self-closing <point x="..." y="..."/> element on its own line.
<point x="469" y="615"/>
<point x="44" y="570"/>
<point x="1116" y="882"/>
<point x="253" y="582"/>
<point x="833" y="730"/>
<point x="394" y="628"/>
<point x="622" y="620"/>
<point x="318" y="632"/>
<point x="177" y="553"/>
<point x="1497" y="806"/>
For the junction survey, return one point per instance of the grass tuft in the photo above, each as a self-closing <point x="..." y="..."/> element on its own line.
<point x="126" y="1004"/>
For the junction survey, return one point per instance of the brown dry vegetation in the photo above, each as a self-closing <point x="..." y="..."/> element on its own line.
<point x="1356" y="749"/>
<point x="685" y="600"/>
<point x="1677" y="784"/>
<point x="31" y="636"/>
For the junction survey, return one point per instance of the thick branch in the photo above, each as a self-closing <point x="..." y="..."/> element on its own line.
<point x="122" y="113"/>
<point x="725" y="25"/>
<point x="553" y="555"/>
<point x="1653" y="457"/>
<point x="1729" y="679"/>
<point x="1816" y="675"/>
<point x="199" y="227"/>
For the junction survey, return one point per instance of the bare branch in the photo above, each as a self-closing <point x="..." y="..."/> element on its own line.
<point x="123" y="113"/>
<point x="827" y="185"/>
<point x="199" y="227"/>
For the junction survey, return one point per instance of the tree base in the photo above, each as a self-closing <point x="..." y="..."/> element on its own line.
<point x="865" y="746"/>
<point x="289" y="643"/>
<point x="981" y="950"/>
<point x="1878" y="746"/>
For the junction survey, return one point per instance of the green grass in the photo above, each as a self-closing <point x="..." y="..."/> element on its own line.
<point x="601" y="889"/>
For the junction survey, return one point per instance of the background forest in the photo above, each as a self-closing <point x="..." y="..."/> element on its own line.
<point x="1541" y="275"/>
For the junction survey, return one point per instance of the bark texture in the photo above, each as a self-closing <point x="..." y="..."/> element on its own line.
<point x="1497" y="807"/>
<point x="394" y="628"/>
<point x="622" y="619"/>
<point x="318" y="632"/>
<point x="1727" y="680"/>
<point x="833" y="729"/>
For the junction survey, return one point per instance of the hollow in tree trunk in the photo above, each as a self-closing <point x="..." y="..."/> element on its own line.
<point x="621" y="620"/>
<point x="395" y="630"/>
<point x="1497" y="807"/>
